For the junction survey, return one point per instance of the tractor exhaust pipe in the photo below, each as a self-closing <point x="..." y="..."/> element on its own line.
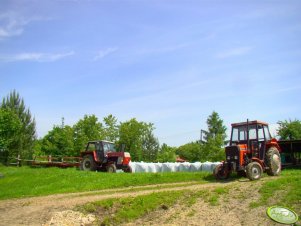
<point x="248" y="140"/>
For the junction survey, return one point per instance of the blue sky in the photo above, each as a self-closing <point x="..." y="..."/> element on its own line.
<point x="167" y="62"/>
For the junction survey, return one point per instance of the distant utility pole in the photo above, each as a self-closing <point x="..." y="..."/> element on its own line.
<point x="203" y="132"/>
<point x="63" y="123"/>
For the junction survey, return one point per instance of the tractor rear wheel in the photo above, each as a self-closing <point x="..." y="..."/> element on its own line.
<point x="220" y="173"/>
<point x="111" y="168"/>
<point x="253" y="171"/>
<point x="88" y="163"/>
<point x="273" y="162"/>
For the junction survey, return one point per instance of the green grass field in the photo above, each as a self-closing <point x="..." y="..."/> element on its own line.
<point x="26" y="182"/>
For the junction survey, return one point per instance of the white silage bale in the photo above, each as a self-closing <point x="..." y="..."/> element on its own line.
<point x="158" y="167"/>
<point x="140" y="167"/>
<point x="175" y="167"/>
<point x="214" y="164"/>
<point x="133" y="166"/>
<point x="206" y="166"/>
<point x="196" y="166"/>
<point x="151" y="168"/>
<point x="166" y="167"/>
<point x="184" y="167"/>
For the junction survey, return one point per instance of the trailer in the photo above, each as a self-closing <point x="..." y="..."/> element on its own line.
<point x="290" y="153"/>
<point x="63" y="162"/>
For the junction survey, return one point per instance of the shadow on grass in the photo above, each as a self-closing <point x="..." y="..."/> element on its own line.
<point x="233" y="177"/>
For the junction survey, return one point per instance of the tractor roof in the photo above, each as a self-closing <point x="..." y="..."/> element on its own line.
<point x="104" y="141"/>
<point x="255" y="122"/>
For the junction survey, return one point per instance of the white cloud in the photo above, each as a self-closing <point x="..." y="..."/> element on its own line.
<point x="13" y="24"/>
<point x="36" y="57"/>
<point x="239" y="51"/>
<point x="103" y="53"/>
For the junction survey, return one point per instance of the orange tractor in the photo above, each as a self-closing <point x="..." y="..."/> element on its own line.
<point x="251" y="152"/>
<point x="102" y="155"/>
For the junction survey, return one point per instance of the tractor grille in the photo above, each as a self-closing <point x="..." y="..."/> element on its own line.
<point x="232" y="156"/>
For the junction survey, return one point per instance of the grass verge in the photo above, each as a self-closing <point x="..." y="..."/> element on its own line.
<point x="26" y="182"/>
<point x="116" y="211"/>
<point x="284" y="190"/>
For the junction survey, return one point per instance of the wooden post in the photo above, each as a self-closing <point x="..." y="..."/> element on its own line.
<point x="18" y="161"/>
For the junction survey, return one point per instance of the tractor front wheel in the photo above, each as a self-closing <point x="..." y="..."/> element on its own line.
<point x="111" y="168"/>
<point x="88" y="163"/>
<point x="221" y="173"/>
<point x="273" y="162"/>
<point x="254" y="171"/>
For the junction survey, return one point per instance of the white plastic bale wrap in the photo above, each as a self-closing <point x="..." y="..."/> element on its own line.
<point x="209" y="166"/>
<point x="158" y="167"/>
<point x="184" y="167"/>
<point x="143" y="167"/>
<point x="196" y="166"/>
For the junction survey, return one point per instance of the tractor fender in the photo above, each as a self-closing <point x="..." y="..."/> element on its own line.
<point x="258" y="161"/>
<point x="273" y="143"/>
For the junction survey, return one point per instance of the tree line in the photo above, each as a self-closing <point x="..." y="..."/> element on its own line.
<point x="18" y="136"/>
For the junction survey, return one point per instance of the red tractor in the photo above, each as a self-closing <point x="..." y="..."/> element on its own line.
<point x="102" y="155"/>
<point x="251" y="152"/>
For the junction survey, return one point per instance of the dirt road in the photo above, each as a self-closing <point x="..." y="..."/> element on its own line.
<point x="59" y="209"/>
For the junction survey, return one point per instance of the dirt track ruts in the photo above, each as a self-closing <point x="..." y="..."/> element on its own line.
<point x="233" y="209"/>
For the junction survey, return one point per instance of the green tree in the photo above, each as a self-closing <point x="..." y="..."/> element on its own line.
<point x="166" y="154"/>
<point x="27" y="135"/>
<point x="190" y="152"/>
<point x="133" y="133"/>
<point x="213" y="148"/>
<point x="215" y="127"/>
<point x="289" y="130"/>
<point x="87" y="129"/>
<point x="10" y="129"/>
<point x="59" y="141"/>
<point x="150" y="145"/>
<point x="111" y="128"/>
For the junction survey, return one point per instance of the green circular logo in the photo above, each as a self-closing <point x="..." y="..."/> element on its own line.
<point x="282" y="215"/>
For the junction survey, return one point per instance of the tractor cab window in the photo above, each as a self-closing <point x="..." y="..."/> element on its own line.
<point x="252" y="132"/>
<point x="108" y="147"/>
<point x="91" y="147"/>
<point x="234" y="135"/>
<point x="260" y="133"/>
<point x="267" y="133"/>
<point x="238" y="134"/>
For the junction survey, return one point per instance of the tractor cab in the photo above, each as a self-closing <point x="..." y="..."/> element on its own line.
<point x="101" y="148"/>
<point x="251" y="151"/>
<point x="251" y="136"/>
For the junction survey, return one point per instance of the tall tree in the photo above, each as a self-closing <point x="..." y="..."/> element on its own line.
<point x="166" y="154"/>
<point x="87" y="129"/>
<point x="215" y="127"/>
<point x="289" y="130"/>
<point x="190" y="151"/>
<point x="10" y="129"/>
<point x="133" y="134"/>
<point x="215" y="136"/>
<point x="110" y="128"/>
<point x="150" y="145"/>
<point x="59" y="141"/>
<point x="27" y="134"/>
